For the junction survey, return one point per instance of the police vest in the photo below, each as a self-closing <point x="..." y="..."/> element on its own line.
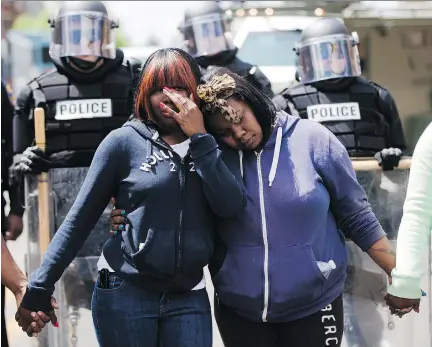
<point x="352" y="115"/>
<point x="78" y="116"/>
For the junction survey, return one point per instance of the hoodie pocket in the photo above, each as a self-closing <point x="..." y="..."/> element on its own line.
<point x="240" y="281"/>
<point x="156" y="254"/>
<point x="294" y="277"/>
<point x="198" y="246"/>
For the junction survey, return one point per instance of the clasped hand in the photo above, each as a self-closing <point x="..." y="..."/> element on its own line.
<point x="32" y="323"/>
<point x="401" y="306"/>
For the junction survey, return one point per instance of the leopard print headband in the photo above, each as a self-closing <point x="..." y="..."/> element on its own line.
<point x="215" y="93"/>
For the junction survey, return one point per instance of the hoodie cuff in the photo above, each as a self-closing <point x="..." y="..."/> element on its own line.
<point x="201" y="144"/>
<point x="36" y="300"/>
<point x="405" y="287"/>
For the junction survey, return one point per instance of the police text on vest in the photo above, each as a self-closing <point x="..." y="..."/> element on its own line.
<point x="79" y="109"/>
<point x="334" y="112"/>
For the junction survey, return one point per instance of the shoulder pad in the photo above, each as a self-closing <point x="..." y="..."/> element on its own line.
<point x="285" y="92"/>
<point x="364" y="86"/>
<point x="376" y="85"/>
<point x="239" y="65"/>
<point x="301" y="89"/>
<point x="44" y="75"/>
<point x="34" y="85"/>
<point x="134" y="62"/>
<point x="364" y="81"/>
<point x="25" y="95"/>
<point x="280" y="101"/>
<point x="49" y="78"/>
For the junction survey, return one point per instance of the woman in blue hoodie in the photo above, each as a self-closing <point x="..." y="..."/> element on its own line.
<point x="280" y="265"/>
<point x="167" y="173"/>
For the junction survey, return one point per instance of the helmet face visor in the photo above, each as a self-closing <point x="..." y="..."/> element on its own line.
<point x="206" y="35"/>
<point x="83" y="34"/>
<point x="328" y="57"/>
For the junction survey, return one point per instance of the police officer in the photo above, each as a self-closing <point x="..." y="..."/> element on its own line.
<point x="364" y="117"/>
<point x="87" y="95"/>
<point x="362" y="114"/>
<point x="11" y="227"/>
<point x="207" y="39"/>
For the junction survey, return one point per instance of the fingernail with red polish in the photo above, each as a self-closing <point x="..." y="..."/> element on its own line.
<point x="161" y="104"/>
<point x="56" y="324"/>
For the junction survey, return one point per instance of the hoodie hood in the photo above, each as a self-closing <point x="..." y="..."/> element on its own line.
<point x="64" y="68"/>
<point x="283" y="125"/>
<point x="145" y="130"/>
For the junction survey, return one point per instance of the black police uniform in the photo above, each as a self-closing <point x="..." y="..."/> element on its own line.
<point x="379" y="127"/>
<point x="250" y="72"/>
<point x="364" y="117"/>
<point x="211" y="16"/>
<point x="67" y="95"/>
<point x="6" y="162"/>
<point x="362" y="114"/>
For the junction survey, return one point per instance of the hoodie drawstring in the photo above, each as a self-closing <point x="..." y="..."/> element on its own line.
<point x="241" y="162"/>
<point x="276" y="153"/>
<point x="275" y="161"/>
<point x="149" y="145"/>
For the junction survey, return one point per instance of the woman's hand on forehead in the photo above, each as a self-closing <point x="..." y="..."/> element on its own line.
<point x="189" y="116"/>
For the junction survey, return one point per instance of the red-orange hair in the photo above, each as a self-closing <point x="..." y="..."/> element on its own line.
<point x="169" y="67"/>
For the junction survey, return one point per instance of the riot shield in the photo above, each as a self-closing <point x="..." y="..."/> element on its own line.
<point x="74" y="290"/>
<point x="367" y="319"/>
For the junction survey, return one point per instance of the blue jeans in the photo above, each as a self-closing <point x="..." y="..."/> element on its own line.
<point x="125" y="315"/>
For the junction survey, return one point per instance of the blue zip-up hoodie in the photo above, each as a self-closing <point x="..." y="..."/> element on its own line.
<point x="303" y="199"/>
<point x="169" y="203"/>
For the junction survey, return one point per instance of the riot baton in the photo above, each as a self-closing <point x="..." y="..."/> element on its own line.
<point x="42" y="185"/>
<point x="370" y="164"/>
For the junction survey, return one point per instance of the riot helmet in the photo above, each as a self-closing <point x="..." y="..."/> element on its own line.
<point x="327" y="51"/>
<point x="82" y="29"/>
<point x="205" y="30"/>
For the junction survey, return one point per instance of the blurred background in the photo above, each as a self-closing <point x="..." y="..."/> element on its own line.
<point x="395" y="48"/>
